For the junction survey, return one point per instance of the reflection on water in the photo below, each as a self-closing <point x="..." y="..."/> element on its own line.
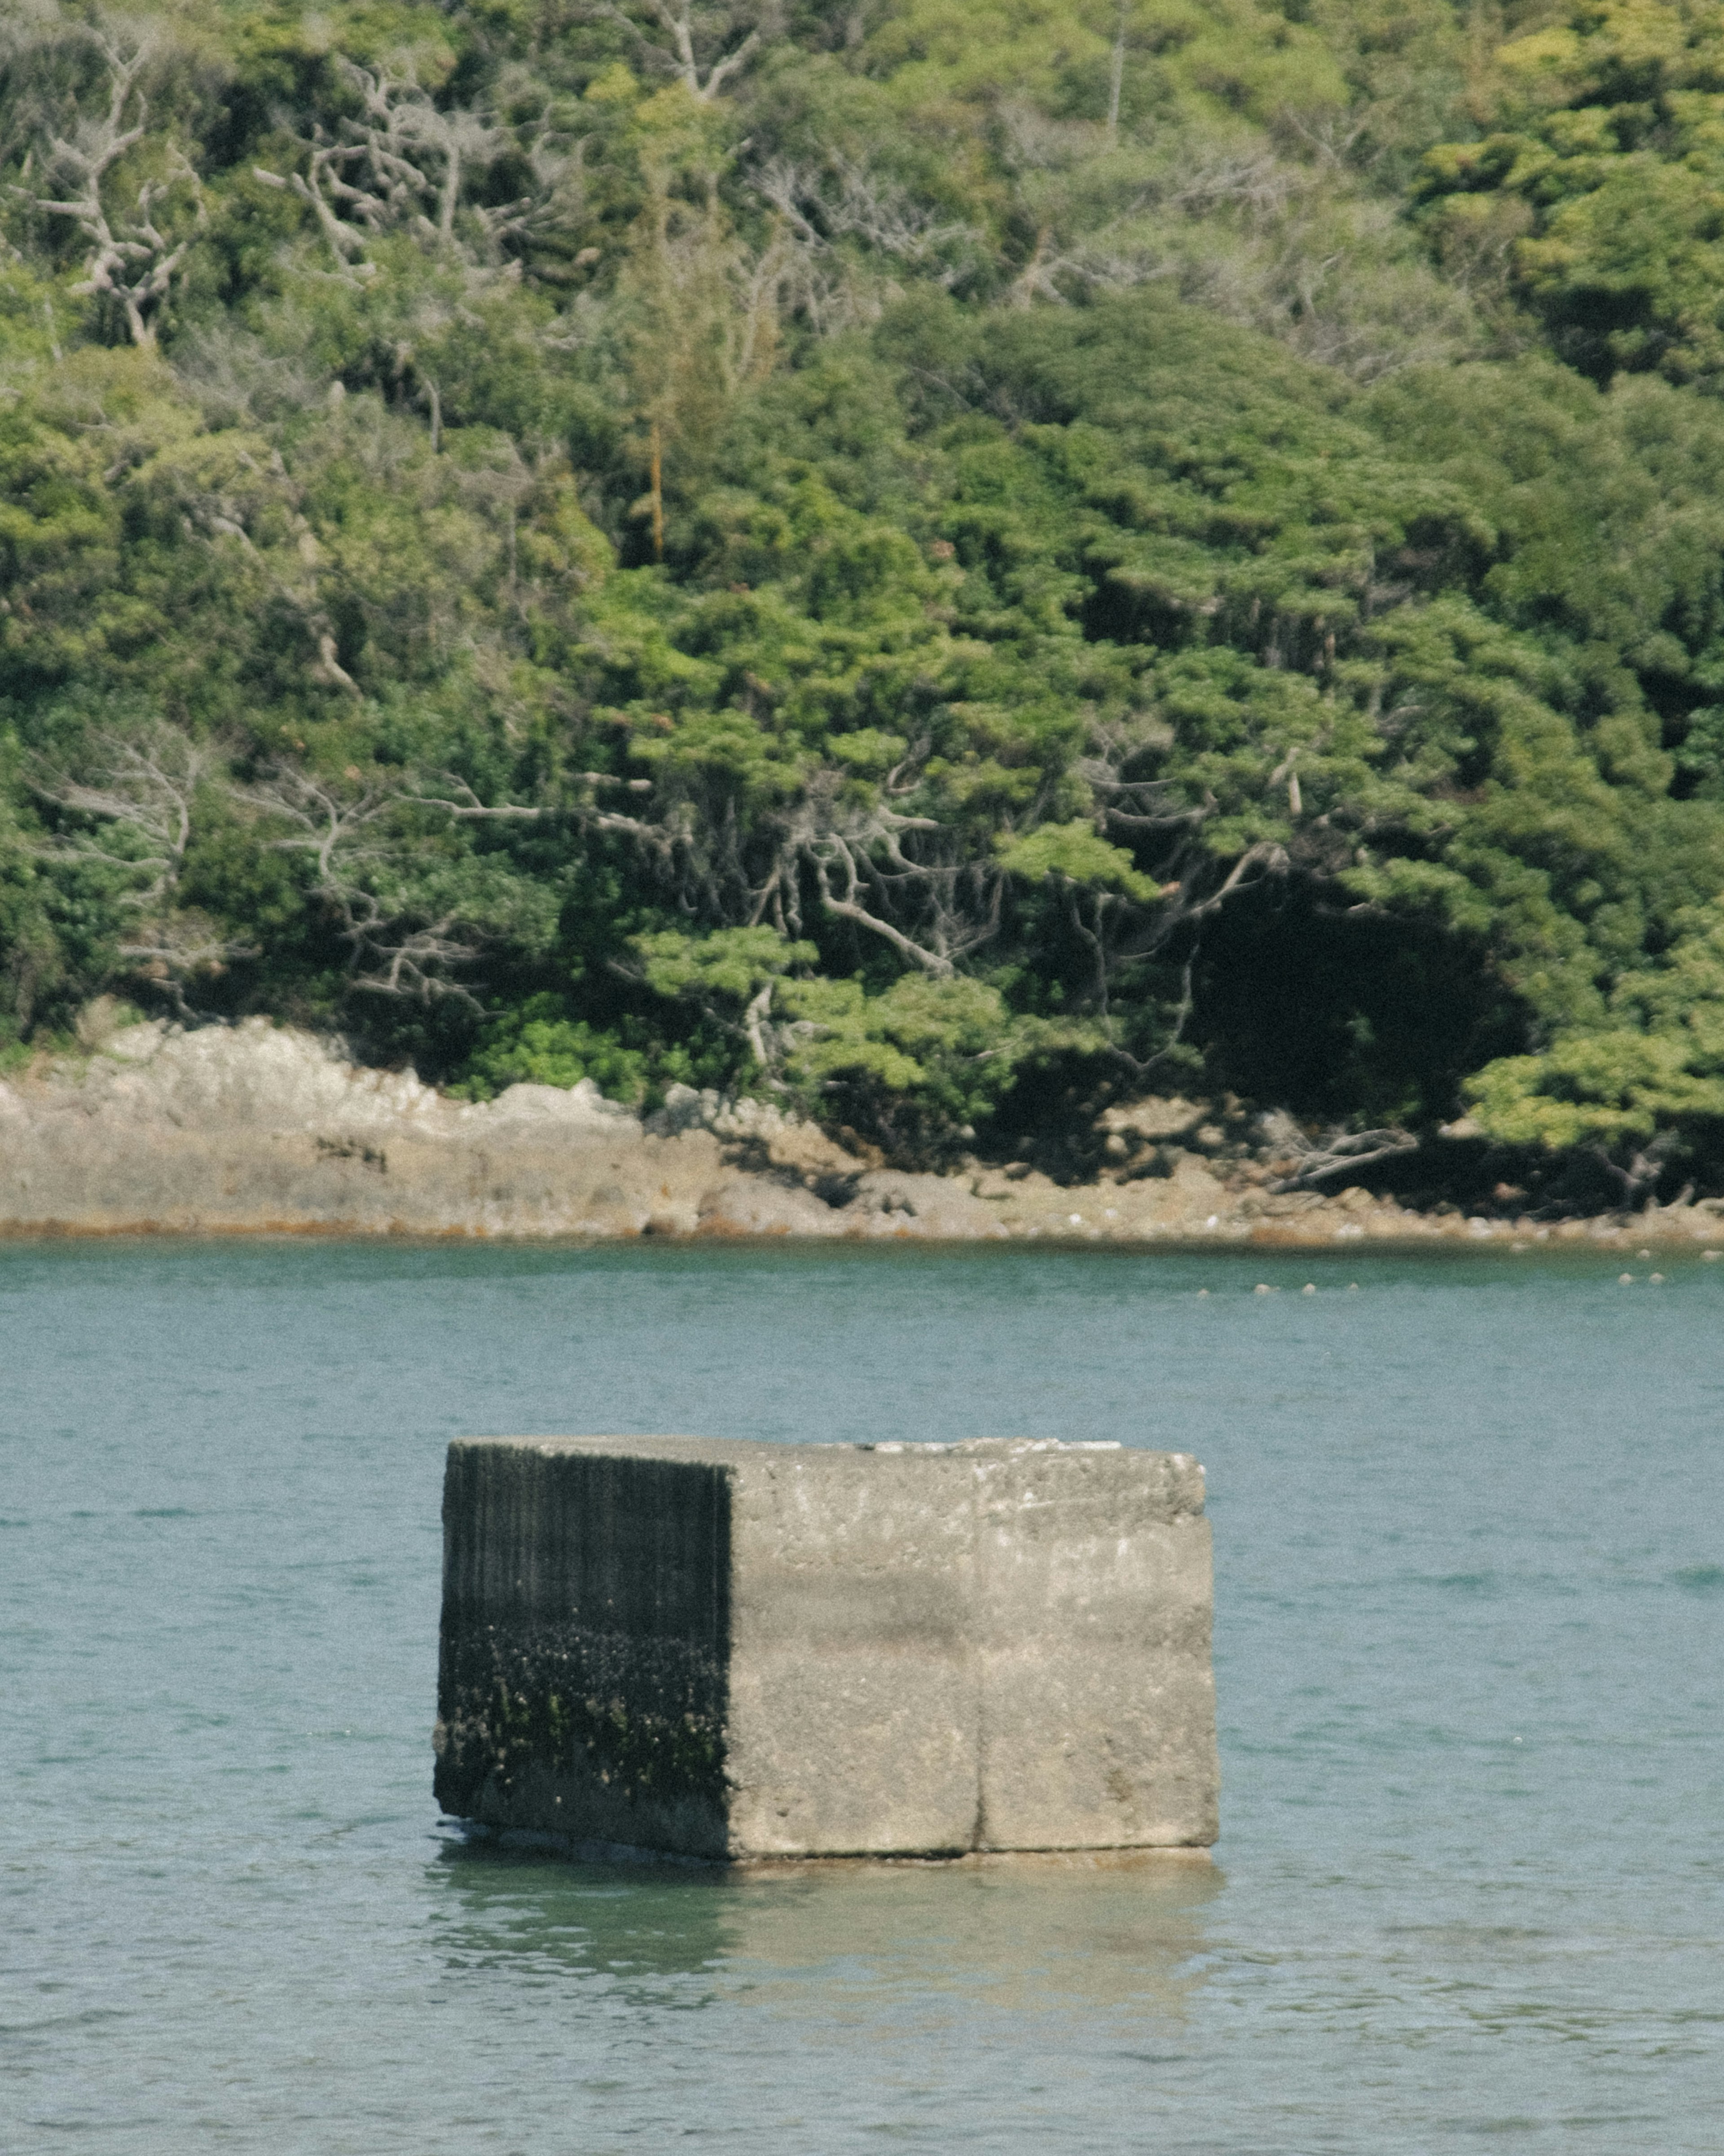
<point x="1022" y="1935"/>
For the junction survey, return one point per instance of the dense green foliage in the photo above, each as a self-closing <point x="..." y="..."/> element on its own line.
<point x="949" y="557"/>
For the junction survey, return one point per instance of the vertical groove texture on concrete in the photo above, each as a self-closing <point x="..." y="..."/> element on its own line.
<point x="585" y="1648"/>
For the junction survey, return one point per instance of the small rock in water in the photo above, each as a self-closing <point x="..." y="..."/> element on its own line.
<point x="1711" y="1257"/>
<point x="1309" y="1288"/>
<point x="1262" y="1288"/>
<point x="1656" y="1279"/>
<point x="1643" y="1254"/>
<point x="1623" y="1279"/>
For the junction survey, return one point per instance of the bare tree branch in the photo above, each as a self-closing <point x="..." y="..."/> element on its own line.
<point x="325" y="821"/>
<point x="177" y="949"/>
<point x="1340" y="1152"/>
<point x="145" y="786"/>
<point x="467" y="805"/>
<point x="848" y="908"/>
<point x="707" y="44"/>
<point x="395" y="949"/>
<point x="130" y="259"/>
<point x="406" y="162"/>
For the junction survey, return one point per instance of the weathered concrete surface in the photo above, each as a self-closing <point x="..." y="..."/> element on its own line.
<point x="742" y="1650"/>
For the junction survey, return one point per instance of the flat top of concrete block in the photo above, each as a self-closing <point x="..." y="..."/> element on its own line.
<point x="1128" y="1463"/>
<point x="721" y="1451"/>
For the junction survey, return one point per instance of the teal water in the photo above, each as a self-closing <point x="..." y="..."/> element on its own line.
<point x="1469" y="1537"/>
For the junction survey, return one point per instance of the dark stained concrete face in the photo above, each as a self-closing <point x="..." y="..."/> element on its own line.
<point x="731" y="1650"/>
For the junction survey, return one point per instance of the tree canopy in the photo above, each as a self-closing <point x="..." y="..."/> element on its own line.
<point x="948" y="559"/>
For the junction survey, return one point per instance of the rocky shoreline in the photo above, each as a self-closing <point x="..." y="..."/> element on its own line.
<point x="257" y="1129"/>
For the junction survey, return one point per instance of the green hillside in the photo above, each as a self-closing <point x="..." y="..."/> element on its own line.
<point x="949" y="559"/>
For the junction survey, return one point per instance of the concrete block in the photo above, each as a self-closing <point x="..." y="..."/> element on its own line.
<point x="731" y="1650"/>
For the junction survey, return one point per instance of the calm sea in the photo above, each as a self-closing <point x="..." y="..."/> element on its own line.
<point x="1470" y="1540"/>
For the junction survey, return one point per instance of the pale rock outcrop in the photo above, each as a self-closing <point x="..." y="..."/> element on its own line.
<point x="257" y="1128"/>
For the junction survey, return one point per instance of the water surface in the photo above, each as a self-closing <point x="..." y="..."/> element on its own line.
<point x="1469" y="1537"/>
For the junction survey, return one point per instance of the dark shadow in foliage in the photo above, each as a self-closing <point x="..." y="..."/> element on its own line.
<point x="1339" y="1014"/>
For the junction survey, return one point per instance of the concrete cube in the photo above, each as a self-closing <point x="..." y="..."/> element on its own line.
<point x="732" y="1650"/>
